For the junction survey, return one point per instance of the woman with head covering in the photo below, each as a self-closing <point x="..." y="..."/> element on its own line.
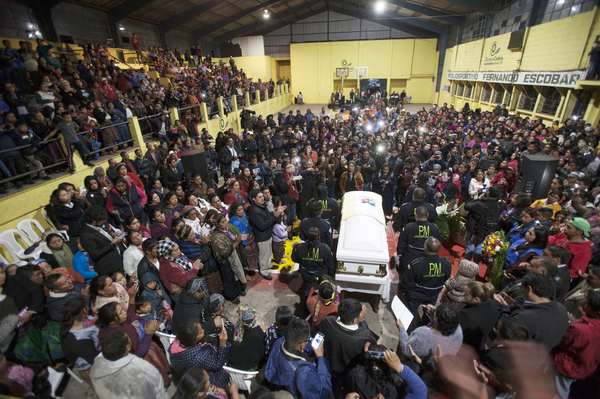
<point x="248" y="347"/>
<point x="224" y="245"/>
<point x="175" y="269"/>
<point x="193" y="304"/>
<point x="195" y="249"/>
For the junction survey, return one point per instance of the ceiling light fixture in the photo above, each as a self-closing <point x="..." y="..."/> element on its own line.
<point x="121" y="28"/>
<point x="266" y="14"/>
<point x="380" y="6"/>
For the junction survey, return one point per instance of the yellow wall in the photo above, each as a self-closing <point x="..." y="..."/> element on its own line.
<point x="554" y="46"/>
<point x="313" y="66"/>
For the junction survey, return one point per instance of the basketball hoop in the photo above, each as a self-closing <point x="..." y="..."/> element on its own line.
<point x="342" y="72"/>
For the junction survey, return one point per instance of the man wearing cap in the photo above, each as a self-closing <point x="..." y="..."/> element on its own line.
<point x="436" y="159"/>
<point x="575" y="239"/>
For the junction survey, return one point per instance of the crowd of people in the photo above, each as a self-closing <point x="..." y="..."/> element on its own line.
<point x="45" y="96"/>
<point x="144" y="248"/>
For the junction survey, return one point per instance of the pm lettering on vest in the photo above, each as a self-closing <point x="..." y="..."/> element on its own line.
<point x="435" y="270"/>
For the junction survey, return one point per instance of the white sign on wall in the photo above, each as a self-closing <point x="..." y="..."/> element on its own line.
<point x="554" y="78"/>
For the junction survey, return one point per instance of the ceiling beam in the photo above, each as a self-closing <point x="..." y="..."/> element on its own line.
<point x="410" y="29"/>
<point x="182" y="18"/>
<point x="226" y="21"/>
<point x="475" y="5"/>
<point x="441" y="15"/>
<point x="310" y="13"/>
<point x="430" y="26"/>
<point x="256" y="25"/>
<point x="124" y="9"/>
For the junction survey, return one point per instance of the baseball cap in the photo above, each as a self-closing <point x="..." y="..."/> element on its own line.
<point x="285" y="155"/>
<point x="582" y="225"/>
<point x="438" y="153"/>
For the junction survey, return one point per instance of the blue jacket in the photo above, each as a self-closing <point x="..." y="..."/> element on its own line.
<point x="313" y="382"/>
<point x="81" y="264"/>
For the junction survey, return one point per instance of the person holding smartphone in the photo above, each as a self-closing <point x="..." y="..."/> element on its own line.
<point x="289" y="366"/>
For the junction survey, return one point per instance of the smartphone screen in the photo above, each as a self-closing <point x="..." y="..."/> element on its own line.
<point x="317" y="340"/>
<point x="375" y="355"/>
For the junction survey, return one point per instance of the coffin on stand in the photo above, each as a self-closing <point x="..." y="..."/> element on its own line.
<point x="362" y="252"/>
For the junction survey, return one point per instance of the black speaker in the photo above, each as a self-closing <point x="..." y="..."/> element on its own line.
<point x="536" y="173"/>
<point x="195" y="162"/>
<point x="486" y="163"/>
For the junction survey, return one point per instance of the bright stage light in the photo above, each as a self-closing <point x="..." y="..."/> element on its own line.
<point x="380" y="6"/>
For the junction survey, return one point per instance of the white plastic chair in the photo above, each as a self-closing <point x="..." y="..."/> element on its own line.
<point x="166" y="340"/>
<point x="9" y="236"/>
<point x="63" y="232"/>
<point x="26" y="226"/>
<point x="243" y="379"/>
<point x="8" y="249"/>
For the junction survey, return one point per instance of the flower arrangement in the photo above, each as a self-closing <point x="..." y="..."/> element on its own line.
<point x="450" y="223"/>
<point x="495" y="248"/>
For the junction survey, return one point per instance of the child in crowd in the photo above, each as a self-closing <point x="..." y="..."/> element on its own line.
<point x="144" y="309"/>
<point x="155" y="293"/>
<point x="280" y="234"/>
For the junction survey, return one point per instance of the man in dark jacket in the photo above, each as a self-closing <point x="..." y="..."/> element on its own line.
<point x="246" y="118"/>
<point x="315" y="211"/>
<point x="345" y="338"/>
<point x="288" y="366"/>
<point x="262" y="221"/>
<point x="229" y="158"/>
<point x="144" y="168"/>
<point x="430" y="196"/>
<point x="367" y="169"/>
<point x="411" y="242"/>
<point x="314" y="257"/>
<point x="546" y="319"/>
<point x="562" y="281"/>
<point x="426" y="276"/>
<point x="331" y="212"/>
<point x="105" y="249"/>
<point x="61" y="289"/>
<point x="406" y="213"/>
<point x="482" y="220"/>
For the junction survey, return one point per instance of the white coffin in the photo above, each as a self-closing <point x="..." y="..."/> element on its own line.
<point x="362" y="247"/>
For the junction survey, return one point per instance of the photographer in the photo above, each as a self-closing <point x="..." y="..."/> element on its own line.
<point x="436" y="158"/>
<point x="368" y="168"/>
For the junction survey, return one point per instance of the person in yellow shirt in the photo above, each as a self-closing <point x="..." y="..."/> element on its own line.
<point x="550" y="202"/>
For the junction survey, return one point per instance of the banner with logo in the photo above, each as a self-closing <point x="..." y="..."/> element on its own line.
<point x="555" y="79"/>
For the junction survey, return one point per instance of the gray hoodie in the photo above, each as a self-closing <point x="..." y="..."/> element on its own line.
<point x="129" y="377"/>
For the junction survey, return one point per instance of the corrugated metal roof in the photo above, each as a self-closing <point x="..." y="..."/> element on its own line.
<point x="218" y="16"/>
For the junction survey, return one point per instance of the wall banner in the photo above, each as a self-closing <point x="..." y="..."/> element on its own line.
<point x="554" y="79"/>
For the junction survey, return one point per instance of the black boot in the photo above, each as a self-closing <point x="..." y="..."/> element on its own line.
<point x="243" y="289"/>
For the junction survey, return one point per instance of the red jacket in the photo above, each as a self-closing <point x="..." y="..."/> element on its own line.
<point x="578" y="353"/>
<point x="580" y="253"/>
<point x="511" y="180"/>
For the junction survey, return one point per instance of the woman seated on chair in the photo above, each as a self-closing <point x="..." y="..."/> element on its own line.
<point x="189" y="350"/>
<point x="248" y="349"/>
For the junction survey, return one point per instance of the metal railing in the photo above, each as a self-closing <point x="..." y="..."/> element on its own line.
<point x="195" y="107"/>
<point x="31" y="172"/>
